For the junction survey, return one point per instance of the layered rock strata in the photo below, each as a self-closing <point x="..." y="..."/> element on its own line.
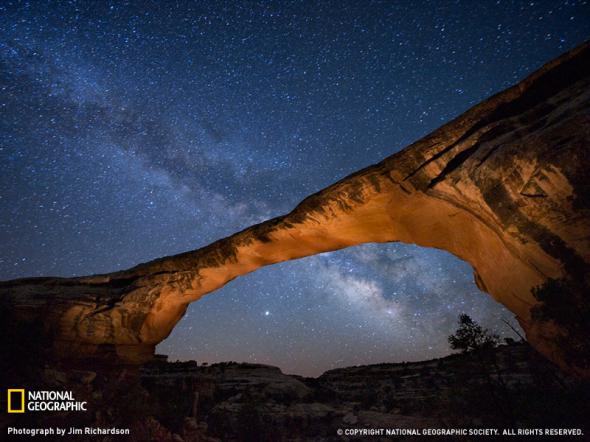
<point x="504" y="187"/>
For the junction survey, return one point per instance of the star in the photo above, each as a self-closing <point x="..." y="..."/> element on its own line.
<point x="136" y="131"/>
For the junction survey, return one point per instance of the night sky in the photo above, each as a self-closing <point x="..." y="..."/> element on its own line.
<point x="134" y="130"/>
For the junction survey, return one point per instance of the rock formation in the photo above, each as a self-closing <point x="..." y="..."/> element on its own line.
<point x="442" y="393"/>
<point x="231" y="402"/>
<point x="504" y="187"/>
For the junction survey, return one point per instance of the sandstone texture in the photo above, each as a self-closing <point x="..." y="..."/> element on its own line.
<point x="504" y="187"/>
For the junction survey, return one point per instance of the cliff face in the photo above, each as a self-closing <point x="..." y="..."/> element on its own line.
<point x="504" y="187"/>
<point x="233" y="399"/>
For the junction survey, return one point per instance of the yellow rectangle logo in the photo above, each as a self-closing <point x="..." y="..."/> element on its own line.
<point x="13" y="402"/>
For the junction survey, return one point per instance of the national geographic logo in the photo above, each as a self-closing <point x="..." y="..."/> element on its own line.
<point x="18" y="401"/>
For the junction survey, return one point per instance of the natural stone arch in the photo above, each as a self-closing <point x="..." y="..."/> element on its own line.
<point x="503" y="187"/>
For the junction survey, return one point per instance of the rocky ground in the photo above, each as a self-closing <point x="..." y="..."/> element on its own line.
<point x="510" y="387"/>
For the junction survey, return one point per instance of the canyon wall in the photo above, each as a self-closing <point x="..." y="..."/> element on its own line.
<point x="504" y="187"/>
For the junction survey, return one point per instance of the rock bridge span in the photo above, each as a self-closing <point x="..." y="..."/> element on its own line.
<point x="504" y="187"/>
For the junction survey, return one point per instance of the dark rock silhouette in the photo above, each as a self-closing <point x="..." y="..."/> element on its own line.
<point x="504" y="187"/>
<point x="510" y="386"/>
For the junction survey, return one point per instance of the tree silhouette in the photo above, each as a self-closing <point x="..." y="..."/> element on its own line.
<point x="471" y="336"/>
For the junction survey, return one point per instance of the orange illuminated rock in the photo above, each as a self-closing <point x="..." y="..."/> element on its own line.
<point x="504" y="187"/>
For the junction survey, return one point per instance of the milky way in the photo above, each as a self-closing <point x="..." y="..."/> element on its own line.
<point x="134" y="130"/>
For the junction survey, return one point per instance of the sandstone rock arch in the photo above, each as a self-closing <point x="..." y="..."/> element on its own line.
<point x="503" y="186"/>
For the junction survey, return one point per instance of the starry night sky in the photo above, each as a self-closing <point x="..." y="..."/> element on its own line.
<point x="134" y="130"/>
